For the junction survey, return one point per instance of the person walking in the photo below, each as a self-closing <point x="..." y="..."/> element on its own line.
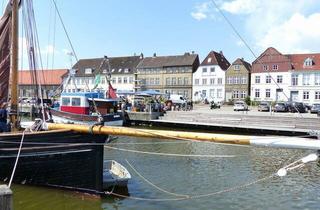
<point x="3" y="117"/>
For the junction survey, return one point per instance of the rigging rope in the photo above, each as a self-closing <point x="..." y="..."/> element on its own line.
<point x="16" y="162"/>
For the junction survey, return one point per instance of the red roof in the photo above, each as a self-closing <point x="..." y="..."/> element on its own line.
<point x="214" y="58"/>
<point x="44" y="77"/>
<point x="297" y="61"/>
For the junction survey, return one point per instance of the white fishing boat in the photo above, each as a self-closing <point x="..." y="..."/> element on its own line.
<point x="114" y="175"/>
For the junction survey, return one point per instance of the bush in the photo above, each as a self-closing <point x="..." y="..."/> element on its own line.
<point x="247" y="100"/>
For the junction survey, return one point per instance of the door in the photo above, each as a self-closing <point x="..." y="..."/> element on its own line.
<point x="294" y="95"/>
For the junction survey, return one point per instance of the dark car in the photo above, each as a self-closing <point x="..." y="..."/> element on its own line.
<point x="297" y="107"/>
<point x="315" y="108"/>
<point x="264" y="106"/>
<point x="281" y="107"/>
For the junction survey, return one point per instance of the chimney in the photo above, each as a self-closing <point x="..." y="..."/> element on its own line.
<point x="141" y="55"/>
<point x="221" y="52"/>
<point x="192" y="52"/>
<point x="186" y="53"/>
<point x="154" y="55"/>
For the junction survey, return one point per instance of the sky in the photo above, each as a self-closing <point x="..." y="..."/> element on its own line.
<point x="170" y="27"/>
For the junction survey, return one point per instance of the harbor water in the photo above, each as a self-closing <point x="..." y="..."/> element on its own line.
<point x="222" y="177"/>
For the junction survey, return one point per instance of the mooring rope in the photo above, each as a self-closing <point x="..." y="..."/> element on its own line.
<point x="170" y="154"/>
<point x="146" y="180"/>
<point x="16" y="162"/>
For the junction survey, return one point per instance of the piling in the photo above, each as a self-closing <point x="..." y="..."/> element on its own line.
<point x="6" y="201"/>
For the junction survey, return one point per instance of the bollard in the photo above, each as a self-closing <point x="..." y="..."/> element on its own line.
<point x="6" y="201"/>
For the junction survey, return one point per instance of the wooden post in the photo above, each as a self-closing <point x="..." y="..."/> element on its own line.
<point x="6" y="201"/>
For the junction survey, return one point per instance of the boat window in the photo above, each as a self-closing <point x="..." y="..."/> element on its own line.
<point x="75" y="101"/>
<point x="65" y="101"/>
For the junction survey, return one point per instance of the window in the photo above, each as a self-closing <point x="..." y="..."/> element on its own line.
<point x="219" y="93"/>
<point x="151" y="81"/>
<point x="265" y="68"/>
<point x="268" y="92"/>
<point x="75" y="101"/>
<point x="174" y="81"/>
<point x="157" y="81"/>
<point x="209" y="60"/>
<point x="126" y="70"/>
<point x="268" y="79"/>
<point x="243" y="80"/>
<point x="196" y="81"/>
<point x="179" y="80"/>
<point x="275" y="67"/>
<point x="243" y="94"/>
<point x="317" y="79"/>
<point x="125" y="80"/>
<point x="294" y="80"/>
<point x="113" y="80"/>
<point x="131" y="80"/>
<point x="235" y="94"/>
<point x="306" y="79"/>
<point x="88" y="71"/>
<point x="119" y="80"/>
<point x="308" y="62"/>
<point x="229" y="80"/>
<point x="236" y="67"/>
<point x="305" y="95"/>
<point x="168" y="81"/>
<point x="204" y="70"/>
<point x="211" y="92"/>
<point x="186" y="81"/>
<point x="212" y="69"/>
<point x="103" y="81"/>
<point x="236" y="80"/>
<point x="147" y="81"/>
<point x="279" y="79"/>
<point x="219" y="81"/>
<point x="204" y="81"/>
<point x="186" y="93"/>
<point x="66" y="101"/>
<point x="257" y="93"/>
<point x="317" y="95"/>
<point x="212" y="81"/>
<point x="257" y="79"/>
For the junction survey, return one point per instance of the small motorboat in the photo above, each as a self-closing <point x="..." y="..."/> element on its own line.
<point x="114" y="175"/>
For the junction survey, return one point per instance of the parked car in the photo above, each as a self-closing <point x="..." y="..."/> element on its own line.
<point x="308" y="106"/>
<point x="264" y="106"/>
<point x="240" y="106"/>
<point x="297" y="107"/>
<point x="281" y="107"/>
<point x="315" y="108"/>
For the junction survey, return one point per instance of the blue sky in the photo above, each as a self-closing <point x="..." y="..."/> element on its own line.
<point x="169" y="27"/>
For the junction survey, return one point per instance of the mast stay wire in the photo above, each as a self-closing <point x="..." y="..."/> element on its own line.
<point x="254" y="55"/>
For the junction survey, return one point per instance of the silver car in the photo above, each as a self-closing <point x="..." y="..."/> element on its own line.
<point x="240" y="106"/>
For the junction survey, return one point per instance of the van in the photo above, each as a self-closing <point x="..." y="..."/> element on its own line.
<point x="177" y="99"/>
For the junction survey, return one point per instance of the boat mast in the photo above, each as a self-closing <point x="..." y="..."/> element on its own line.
<point x="14" y="67"/>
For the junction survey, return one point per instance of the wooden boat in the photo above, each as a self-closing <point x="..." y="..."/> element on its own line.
<point x="114" y="175"/>
<point x="64" y="159"/>
<point x="78" y="108"/>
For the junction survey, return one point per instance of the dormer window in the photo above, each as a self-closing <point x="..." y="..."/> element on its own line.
<point x="265" y="68"/>
<point x="275" y="67"/>
<point x="126" y="70"/>
<point x="104" y="71"/>
<point x="112" y="70"/>
<point x="237" y="67"/>
<point x="308" y="62"/>
<point x="88" y="71"/>
<point x="120" y="70"/>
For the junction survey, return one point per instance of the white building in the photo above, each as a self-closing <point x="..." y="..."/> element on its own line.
<point x="93" y="74"/>
<point x="209" y="79"/>
<point x="293" y="77"/>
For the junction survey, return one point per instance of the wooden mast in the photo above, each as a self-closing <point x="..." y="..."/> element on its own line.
<point x="14" y="67"/>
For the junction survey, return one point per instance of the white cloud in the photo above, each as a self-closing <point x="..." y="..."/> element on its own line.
<point x="296" y="35"/>
<point x="290" y="26"/>
<point x="49" y="50"/>
<point x="202" y="11"/>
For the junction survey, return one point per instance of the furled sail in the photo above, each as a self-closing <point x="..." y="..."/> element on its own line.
<point x="5" y="37"/>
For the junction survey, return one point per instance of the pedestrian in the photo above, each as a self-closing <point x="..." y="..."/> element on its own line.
<point x="3" y="117"/>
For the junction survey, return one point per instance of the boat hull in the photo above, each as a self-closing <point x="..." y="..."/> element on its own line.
<point x="65" y="117"/>
<point x="54" y="158"/>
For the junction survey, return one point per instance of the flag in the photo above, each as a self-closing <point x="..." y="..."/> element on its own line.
<point x="111" y="92"/>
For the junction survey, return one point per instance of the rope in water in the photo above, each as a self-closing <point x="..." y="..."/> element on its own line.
<point x="146" y="180"/>
<point x="169" y="154"/>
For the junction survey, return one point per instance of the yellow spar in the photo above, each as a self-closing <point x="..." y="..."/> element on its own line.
<point x="124" y="131"/>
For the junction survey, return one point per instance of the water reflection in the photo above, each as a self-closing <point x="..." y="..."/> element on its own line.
<point x="192" y="176"/>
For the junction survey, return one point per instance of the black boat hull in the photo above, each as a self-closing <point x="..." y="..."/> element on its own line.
<point x="61" y="159"/>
